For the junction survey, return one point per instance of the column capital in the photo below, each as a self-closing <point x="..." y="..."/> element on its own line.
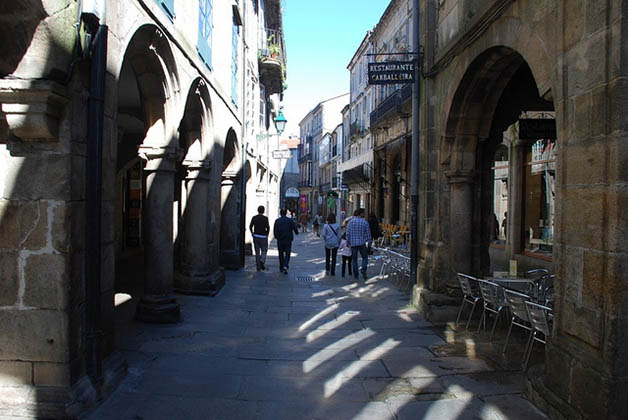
<point x="159" y="158"/>
<point x="229" y="177"/>
<point x="197" y="170"/>
<point x="460" y="176"/>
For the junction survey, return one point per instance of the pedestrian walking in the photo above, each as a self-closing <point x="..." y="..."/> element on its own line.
<point x="358" y="235"/>
<point x="345" y="252"/>
<point x="331" y="236"/>
<point x="259" y="229"/>
<point x="283" y="229"/>
<point x="303" y="219"/>
<point x="376" y="231"/>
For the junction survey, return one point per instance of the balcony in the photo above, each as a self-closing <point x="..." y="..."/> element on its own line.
<point x="304" y="184"/>
<point x="393" y="105"/>
<point x="272" y="61"/>
<point x="305" y="158"/>
<point x="325" y="187"/>
<point x="356" y="129"/>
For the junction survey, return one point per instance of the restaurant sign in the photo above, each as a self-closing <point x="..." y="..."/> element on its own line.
<point x="391" y="72"/>
<point x="537" y="128"/>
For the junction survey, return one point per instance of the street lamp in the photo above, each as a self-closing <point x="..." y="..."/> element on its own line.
<point x="280" y="125"/>
<point x="280" y="121"/>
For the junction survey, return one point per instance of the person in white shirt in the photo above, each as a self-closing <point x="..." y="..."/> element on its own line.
<point x="331" y="236"/>
<point x="345" y="252"/>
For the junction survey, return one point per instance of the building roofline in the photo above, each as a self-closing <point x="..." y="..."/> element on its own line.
<point x="320" y="104"/>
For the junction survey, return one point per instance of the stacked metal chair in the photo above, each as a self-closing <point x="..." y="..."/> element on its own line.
<point x="519" y="316"/>
<point x="493" y="302"/>
<point x="541" y="322"/>
<point x="470" y="294"/>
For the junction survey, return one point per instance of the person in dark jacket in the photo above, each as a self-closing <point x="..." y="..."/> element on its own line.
<point x="283" y="230"/>
<point x="376" y="231"/>
<point x="259" y="229"/>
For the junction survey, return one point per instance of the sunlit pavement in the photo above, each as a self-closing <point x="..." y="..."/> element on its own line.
<point x="307" y="346"/>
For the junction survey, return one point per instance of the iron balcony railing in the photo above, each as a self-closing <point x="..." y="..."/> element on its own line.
<point x="305" y="158"/>
<point x="356" y="129"/>
<point x="391" y="104"/>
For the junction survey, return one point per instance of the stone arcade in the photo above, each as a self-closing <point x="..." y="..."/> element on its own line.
<point x="170" y="198"/>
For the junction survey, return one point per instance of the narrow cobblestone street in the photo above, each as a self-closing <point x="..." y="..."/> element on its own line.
<point x="305" y="346"/>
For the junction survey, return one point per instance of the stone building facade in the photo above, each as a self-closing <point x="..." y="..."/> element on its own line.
<point x="357" y="164"/>
<point x="317" y="123"/>
<point x="489" y="65"/>
<point x="127" y="144"/>
<point x="390" y="119"/>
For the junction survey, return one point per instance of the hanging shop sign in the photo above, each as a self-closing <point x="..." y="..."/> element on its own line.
<point x="281" y="154"/>
<point x="391" y="72"/>
<point x="537" y="128"/>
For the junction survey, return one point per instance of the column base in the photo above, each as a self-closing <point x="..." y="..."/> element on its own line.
<point x="207" y="284"/>
<point x="438" y="308"/>
<point x="162" y="309"/>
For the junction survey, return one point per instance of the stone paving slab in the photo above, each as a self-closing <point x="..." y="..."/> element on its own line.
<point x="309" y="346"/>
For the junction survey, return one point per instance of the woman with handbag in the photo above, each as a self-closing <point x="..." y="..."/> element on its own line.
<point x="331" y="236"/>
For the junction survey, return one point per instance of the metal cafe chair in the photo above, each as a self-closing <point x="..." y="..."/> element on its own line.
<point x="538" y="276"/>
<point x="519" y="315"/>
<point x="539" y="317"/>
<point x="492" y="301"/>
<point x="470" y="294"/>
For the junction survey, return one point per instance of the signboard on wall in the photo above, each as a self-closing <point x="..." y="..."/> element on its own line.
<point x="537" y="128"/>
<point x="391" y="72"/>
<point x="292" y="193"/>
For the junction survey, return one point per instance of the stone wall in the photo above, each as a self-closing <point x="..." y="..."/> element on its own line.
<point x="575" y="54"/>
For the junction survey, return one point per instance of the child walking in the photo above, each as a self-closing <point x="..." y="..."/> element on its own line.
<point x="345" y="250"/>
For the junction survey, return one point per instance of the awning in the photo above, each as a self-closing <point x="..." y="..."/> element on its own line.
<point x="392" y="146"/>
<point x="354" y="175"/>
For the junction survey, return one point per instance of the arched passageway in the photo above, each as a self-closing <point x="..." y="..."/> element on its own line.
<point x="146" y="156"/>
<point x="232" y="206"/>
<point x="497" y="108"/>
<point x="194" y="271"/>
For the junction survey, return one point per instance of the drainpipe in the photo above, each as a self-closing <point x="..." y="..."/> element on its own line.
<point x="414" y="239"/>
<point x="93" y="205"/>
<point x="244" y="138"/>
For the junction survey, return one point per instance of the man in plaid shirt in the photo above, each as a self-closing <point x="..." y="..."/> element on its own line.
<point x="358" y="234"/>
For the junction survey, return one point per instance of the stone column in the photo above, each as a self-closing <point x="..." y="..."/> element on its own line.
<point x="158" y="303"/>
<point x="516" y="176"/>
<point x="388" y="197"/>
<point x="193" y="274"/>
<point x="230" y="252"/>
<point x="460" y="224"/>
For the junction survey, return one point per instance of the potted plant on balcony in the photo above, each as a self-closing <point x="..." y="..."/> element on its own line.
<point x="273" y="47"/>
<point x="273" y="50"/>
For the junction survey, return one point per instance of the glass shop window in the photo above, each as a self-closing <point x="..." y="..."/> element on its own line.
<point x="500" y="196"/>
<point x="539" y="199"/>
<point x="133" y="206"/>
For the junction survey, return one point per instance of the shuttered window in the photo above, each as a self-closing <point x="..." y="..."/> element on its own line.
<point x="205" y="27"/>
<point x="235" y="36"/>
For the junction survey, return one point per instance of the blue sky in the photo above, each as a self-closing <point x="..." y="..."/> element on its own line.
<point x="321" y="37"/>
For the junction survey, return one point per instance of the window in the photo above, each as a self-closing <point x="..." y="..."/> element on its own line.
<point x="205" y="27"/>
<point x="168" y="7"/>
<point x="235" y="38"/>
<point x="538" y="195"/>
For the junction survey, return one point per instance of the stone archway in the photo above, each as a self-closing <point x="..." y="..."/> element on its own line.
<point x="495" y="90"/>
<point x="148" y="146"/>
<point x="194" y="271"/>
<point x="232" y="205"/>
